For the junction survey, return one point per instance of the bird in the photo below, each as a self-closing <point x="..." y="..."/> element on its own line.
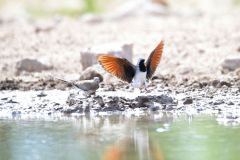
<point x="138" y="74"/>
<point x="88" y="86"/>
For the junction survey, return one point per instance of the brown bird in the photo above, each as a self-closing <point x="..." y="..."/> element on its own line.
<point x="88" y="86"/>
<point x="126" y="71"/>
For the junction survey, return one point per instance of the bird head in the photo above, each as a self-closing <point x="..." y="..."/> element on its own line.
<point x="141" y="62"/>
<point x="96" y="79"/>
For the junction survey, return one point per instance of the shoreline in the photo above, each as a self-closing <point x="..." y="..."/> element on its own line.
<point x="189" y="99"/>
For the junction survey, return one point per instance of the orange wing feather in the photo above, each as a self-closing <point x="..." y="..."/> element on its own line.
<point x="118" y="67"/>
<point x="154" y="59"/>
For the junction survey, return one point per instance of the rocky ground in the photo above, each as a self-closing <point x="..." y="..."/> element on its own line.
<point x="199" y="71"/>
<point x="191" y="97"/>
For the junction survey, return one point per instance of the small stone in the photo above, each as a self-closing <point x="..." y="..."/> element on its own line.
<point x="185" y="70"/>
<point x="90" y="73"/>
<point x="188" y="100"/>
<point x="4" y="67"/>
<point x="99" y="100"/>
<point x="164" y="99"/>
<point x="31" y="65"/>
<point x="218" y="102"/>
<point x="42" y="94"/>
<point x="169" y="108"/>
<point x="231" y="63"/>
<point x="238" y="49"/>
<point x="230" y="103"/>
<point x="224" y="83"/>
<point x="111" y="104"/>
<point x="154" y="108"/>
<point x="71" y="101"/>
<point x="219" y="84"/>
<point x="195" y="85"/>
<point x="4" y="99"/>
<point x="69" y="110"/>
<point x="203" y="84"/>
<point x="58" y="108"/>
<point x="201" y="51"/>
<point x="12" y="101"/>
<point x="43" y="27"/>
<point x="216" y="83"/>
<point x="142" y="99"/>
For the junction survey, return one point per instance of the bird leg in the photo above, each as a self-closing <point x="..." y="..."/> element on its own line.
<point x="145" y="86"/>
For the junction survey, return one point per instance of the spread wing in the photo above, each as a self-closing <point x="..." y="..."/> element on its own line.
<point x="118" y="67"/>
<point x="154" y="59"/>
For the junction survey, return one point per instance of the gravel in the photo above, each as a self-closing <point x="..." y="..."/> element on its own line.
<point x="171" y="98"/>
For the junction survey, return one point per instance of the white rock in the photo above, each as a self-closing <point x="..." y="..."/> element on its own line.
<point x="88" y="57"/>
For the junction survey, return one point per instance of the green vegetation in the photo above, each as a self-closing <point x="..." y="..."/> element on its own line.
<point x="90" y="6"/>
<point x="236" y="2"/>
<point x="41" y="12"/>
<point x="2" y="2"/>
<point x="74" y="8"/>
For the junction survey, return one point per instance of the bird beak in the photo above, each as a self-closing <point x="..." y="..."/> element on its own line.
<point x="145" y="64"/>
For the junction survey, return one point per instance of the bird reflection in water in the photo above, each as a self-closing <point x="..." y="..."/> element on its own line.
<point x="136" y="147"/>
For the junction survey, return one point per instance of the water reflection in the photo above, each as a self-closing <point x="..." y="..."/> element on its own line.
<point x="138" y="146"/>
<point x="149" y="136"/>
<point x="129" y="134"/>
<point x="5" y="144"/>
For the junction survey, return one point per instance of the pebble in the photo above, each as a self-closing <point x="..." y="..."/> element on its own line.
<point x="218" y="102"/>
<point x="238" y="49"/>
<point x="230" y="103"/>
<point x="188" y="100"/>
<point x="231" y="63"/>
<point x="12" y="101"/>
<point x="42" y="94"/>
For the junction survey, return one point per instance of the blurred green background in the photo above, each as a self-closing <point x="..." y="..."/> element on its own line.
<point x="42" y="8"/>
<point x="74" y="8"/>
